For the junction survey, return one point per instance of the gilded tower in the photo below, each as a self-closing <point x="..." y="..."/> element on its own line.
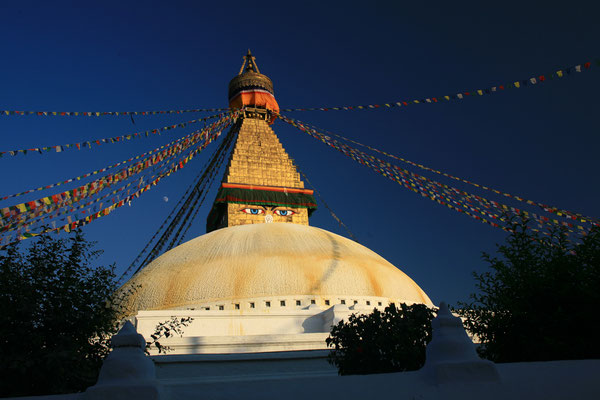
<point x="261" y="183"/>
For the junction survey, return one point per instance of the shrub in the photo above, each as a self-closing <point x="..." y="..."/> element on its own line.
<point x="389" y="341"/>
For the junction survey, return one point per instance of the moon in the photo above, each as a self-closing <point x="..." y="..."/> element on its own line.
<point x="166" y="199"/>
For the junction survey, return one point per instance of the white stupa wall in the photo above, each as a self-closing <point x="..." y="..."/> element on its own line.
<point x="281" y="326"/>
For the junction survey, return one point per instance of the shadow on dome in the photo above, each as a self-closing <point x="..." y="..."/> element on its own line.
<point x="335" y="260"/>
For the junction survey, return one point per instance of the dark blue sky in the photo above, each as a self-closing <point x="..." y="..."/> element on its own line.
<point x="541" y="142"/>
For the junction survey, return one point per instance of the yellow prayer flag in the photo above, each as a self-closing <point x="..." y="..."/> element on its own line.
<point x="559" y="73"/>
<point x="517" y="84"/>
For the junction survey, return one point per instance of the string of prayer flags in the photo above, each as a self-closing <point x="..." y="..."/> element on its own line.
<point x="211" y="137"/>
<point x="105" y="113"/>
<point x="547" y="208"/>
<point x="68" y="199"/>
<point x="71" y="208"/>
<point x="449" y="190"/>
<point x="99" y="171"/>
<point x="48" y="204"/>
<point x="99" y="142"/>
<point x="531" y="81"/>
<point x="80" y="222"/>
<point x="180" y="215"/>
<point x="477" y="207"/>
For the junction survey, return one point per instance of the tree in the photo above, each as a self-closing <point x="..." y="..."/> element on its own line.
<point x="388" y="341"/>
<point x="539" y="299"/>
<point x="56" y="316"/>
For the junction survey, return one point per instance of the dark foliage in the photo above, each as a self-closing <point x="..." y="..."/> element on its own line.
<point x="540" y="298"/>
<point x="388" y="341"/>
<point x="55" y="316"/>
<point x="167" y="329"/>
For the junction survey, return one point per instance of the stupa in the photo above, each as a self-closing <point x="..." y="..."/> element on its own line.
<point x="262" y="279"/>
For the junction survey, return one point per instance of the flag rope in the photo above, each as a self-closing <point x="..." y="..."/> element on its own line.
<point x="333" y="215"/>
<point x="105" y="113"/>
<point x="106" y="211"/>
<point x="20" y="214"/>
<point x="448" y="196"/>
<point x="176" y="214"/>
<point x="534" y="80"/>
<point x="98" y="171"/>
<point x="551" y="209"/>
<point x="211" y="178"/>
<point x="48" y="203"/>
<point x="69" y="208"/>
<point x="116" y="139"/>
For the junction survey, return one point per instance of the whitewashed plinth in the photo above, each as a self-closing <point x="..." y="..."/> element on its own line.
<point x="127" y="373"/>
<point x="451" y="355"/>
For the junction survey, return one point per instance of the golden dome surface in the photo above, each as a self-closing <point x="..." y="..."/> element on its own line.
<point x="267" y="259"/>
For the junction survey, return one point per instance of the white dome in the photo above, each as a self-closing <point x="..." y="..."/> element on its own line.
<point x="276" y="259"/>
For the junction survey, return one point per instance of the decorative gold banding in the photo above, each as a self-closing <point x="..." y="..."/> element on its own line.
<point x="250" y="79"/>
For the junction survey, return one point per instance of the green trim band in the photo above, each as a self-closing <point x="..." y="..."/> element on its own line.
<point x="266" y="198"/>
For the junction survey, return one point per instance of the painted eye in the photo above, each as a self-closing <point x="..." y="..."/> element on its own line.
<point x="253" y="211"/>
<point x="284" y="213"/>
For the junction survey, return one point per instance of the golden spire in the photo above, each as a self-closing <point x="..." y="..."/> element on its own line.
<point x="254" y="91"/>
<point x="261" y="183"/>
<point x="252" y="66"/>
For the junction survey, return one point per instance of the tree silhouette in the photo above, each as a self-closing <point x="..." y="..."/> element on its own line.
<point x="539" y="299"/>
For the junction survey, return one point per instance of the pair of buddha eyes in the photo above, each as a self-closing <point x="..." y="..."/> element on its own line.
<point x="258" y="211"/>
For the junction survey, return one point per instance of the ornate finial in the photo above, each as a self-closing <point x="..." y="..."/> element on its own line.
<point x="127" y="337"/>
<point x="250" y="78"/>
<point x="251" y="66"/>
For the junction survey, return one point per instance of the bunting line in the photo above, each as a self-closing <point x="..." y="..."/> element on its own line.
<point x="106" y="211"/>
<point x="166" y="221"/>
<point x="49" y="203"/>
<point x="550" y="209"/>
<point x="104" y="113"/>
<point x="99" y="142"/>
<point x="20" y="225"/>
<point x="115" y="194"/>
<point x="532" y="81"/>
<point x="338" y="220"/>
<point x="70" y="208"/>
<point x="182" y="218"/>
<point x="29" y="224"/>
<point x="448" y="196"/>
<point x="99" y="171"/>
